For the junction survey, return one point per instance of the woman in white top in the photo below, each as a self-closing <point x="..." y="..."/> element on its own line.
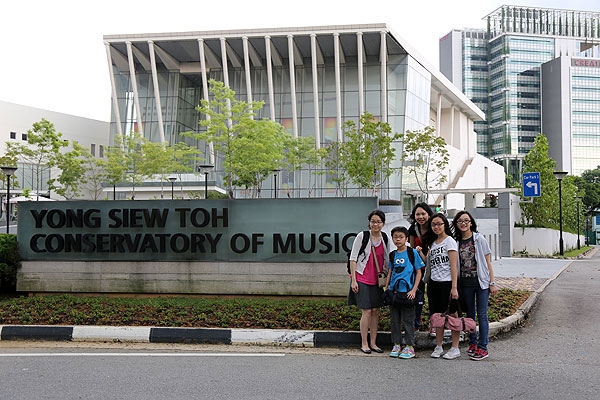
<point x="442" y="260"/>
<point x="364" y="291"/>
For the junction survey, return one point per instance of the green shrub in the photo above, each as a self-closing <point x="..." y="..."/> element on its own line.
<point x="10" y="261"/>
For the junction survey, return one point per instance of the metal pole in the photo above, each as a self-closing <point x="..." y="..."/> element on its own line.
<point x="275" y="176"/>
<point x="206" y="185"/>
<point x="7" y="203"/>
<point x="578" y="242"/>
<point x="114" y="192"/>
<point x="172" y="190"/>
<point x="560" y="243"/>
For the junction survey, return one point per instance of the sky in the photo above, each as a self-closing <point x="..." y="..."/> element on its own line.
<point x="52" y="54"/>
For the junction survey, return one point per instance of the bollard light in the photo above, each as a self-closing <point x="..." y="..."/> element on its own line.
<point x="275" y="173"/>
<point x="205" y="169"/>
<point x="172" y="179"/>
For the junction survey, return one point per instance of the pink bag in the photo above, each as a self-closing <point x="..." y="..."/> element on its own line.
<point x="460" y="323"/>
<point x="443" y="320"/>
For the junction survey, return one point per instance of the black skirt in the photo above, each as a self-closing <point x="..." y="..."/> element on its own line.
<point x="368" y="296"/>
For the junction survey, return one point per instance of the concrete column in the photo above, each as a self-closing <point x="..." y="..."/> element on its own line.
<point x="313" y="53"/>
<point x="161" y="125"/>
<point x="383" y="62"/>
<point x="136" y="99"/>
<point x="338" y="90"/>
<point x="439" y="116"/>
<point x="451" y="126"/>
<point x="361" y="87"/>
<point x="225" y="72"/>
<point x="506" y="223"/>
<point x="293" y="84"/>
<point x="113" y="88"/>
<point x="211" y="147"/>
<point x="224" y="61"/>
<point x="270" y="77"/>
<point x="247" y="69"/>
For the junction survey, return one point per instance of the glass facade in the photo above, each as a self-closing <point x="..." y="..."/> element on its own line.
<point x="408" y="87"/>
<point x="585" y="118"/>
<point x="475" y="81"/>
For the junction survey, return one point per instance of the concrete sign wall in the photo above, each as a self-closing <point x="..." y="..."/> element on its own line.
<point x="268" y="247"/>
<point x="285" y="230"/>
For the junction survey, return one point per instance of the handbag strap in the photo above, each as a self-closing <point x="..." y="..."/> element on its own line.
<point x="375" y="256"/>
<point x="459" y="310"/>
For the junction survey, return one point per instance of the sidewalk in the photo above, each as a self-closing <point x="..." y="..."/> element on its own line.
<point x="525" y="273"/>
<point x="516" y="273"/>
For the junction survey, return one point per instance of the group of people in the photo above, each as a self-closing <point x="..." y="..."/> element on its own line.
<point x="451" y="262"/>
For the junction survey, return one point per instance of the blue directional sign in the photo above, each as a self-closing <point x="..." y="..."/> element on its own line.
<point x="531" y="184"/>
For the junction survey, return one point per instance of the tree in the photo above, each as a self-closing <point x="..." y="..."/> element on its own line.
<point x="589" y="183"/>
<point x="41" y="151"/>
<point x="125" y="161"/>
<point x="73" y="172"/>
<point x="425" y="156"/>
<point x="544" y="210"/>
<point x="335" y="161"/>
<point x="256" y="152"/>
<point x="369" y="151"/>
<point x="96" y="176"/>
<point x="115" y="165"/>
<point x="227" y="117"/>
<point x="301" y="152"/>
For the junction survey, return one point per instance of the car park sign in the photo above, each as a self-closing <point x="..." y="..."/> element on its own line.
<point x="531" y="184"/>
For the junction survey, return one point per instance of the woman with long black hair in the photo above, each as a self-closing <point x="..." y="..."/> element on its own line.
<point x="476" y="279"/>
<point x="417" y="237"/>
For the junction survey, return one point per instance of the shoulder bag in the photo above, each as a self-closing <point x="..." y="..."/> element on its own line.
<point x="381" y="273"/>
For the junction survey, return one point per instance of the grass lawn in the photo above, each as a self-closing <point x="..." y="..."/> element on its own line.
<point x="267" y="313"/>
<point x="575" y="252"/>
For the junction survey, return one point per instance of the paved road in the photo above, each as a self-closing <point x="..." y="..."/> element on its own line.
<point x="555" y="356"/>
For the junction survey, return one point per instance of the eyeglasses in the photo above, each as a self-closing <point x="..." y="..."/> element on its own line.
<point x="436" y="225"/>
<point x="463" y="221"/>
<point x="376" y="222"/>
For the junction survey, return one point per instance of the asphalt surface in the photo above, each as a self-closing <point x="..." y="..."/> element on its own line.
<point x="554" y="356"/>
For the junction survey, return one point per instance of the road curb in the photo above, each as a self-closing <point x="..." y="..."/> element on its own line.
<point x="270" y="337"/>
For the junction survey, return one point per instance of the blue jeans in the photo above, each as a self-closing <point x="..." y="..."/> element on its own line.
<point x="471" y="295"/>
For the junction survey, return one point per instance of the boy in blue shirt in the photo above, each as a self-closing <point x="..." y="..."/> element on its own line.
<point x="405" y="271"/>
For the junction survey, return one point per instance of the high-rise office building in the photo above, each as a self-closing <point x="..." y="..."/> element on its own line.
<point x="517" y="41"/>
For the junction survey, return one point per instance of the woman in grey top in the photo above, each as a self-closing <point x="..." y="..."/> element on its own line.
<point x="476" y="279"/>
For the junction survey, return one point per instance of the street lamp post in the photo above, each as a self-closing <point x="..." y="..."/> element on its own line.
<point x="275" y="173"/>
<point x="205" y="169"/>
<point x="8" y="171"/>
<point x="578" y="199"/>
<point x="560" y="176"/>
<point x="172" y="179"/>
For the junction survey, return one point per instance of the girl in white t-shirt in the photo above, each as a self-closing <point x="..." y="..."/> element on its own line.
<point x="442" y="259"/>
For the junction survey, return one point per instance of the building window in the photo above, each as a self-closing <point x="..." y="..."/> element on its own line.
<point x="13" y="135"/>
<point x="93" y="149"/>
<point x="24" y="136"/>
<point x="101" y="153"/>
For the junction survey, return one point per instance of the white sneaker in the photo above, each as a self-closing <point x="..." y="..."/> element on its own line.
<point x="452" y="353"/>
<point x="437" y="352"/>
